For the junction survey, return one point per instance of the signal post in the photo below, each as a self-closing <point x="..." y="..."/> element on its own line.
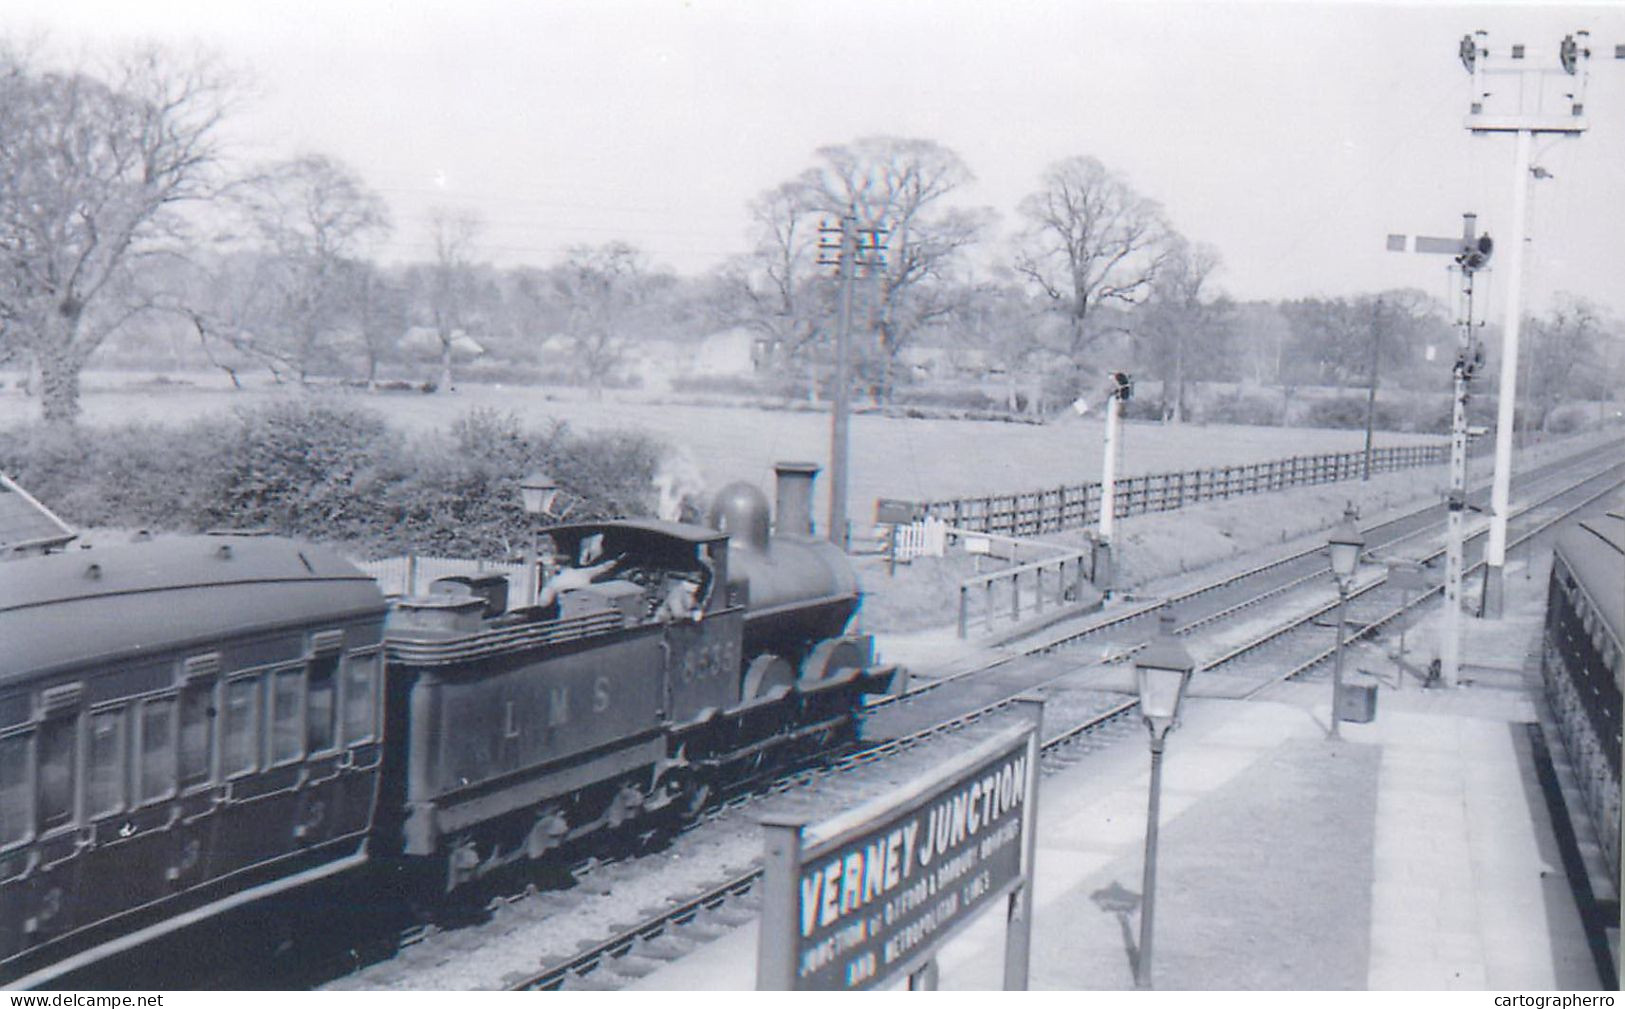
<point x="1472" y="252"/>
<point x="1515" y="94"/>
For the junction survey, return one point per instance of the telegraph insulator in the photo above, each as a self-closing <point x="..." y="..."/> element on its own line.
<point x="1468" y="51"/>
<point x="1475" y="254"/>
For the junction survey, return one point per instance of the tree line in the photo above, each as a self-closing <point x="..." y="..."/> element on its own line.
<point x="122" y="212"/>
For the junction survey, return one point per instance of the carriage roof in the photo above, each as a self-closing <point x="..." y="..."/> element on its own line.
<point x="1594" y="550"/>
<point x="137" y="599"/>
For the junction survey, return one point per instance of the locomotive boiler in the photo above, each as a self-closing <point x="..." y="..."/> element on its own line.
<point x="192" y="723"/>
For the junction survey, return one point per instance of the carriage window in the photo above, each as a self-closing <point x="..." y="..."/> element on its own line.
<point x="197" y="732"/>
<point x="287" y="709"/>
<point x="239" y="749"/>
<point x="360" y="698"/>
<point x="15" y="793"/>
<point x="321" y="703"/>
<point x="104" y="764"/>
<point x="58" y="748"/>
<point x="157" y="749"/>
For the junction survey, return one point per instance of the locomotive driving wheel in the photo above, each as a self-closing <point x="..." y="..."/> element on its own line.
<point x="829" y="658"/>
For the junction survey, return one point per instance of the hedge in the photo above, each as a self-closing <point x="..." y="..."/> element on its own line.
<point x="331" y="472"/>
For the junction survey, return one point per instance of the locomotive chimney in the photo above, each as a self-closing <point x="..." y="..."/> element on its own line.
<point x="792" y="514"/>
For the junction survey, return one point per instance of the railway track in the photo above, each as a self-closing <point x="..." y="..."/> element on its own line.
<point x="1089" y="718"/>
<point x="1209" y="603"/>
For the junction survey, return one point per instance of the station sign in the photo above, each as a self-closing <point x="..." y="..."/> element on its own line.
<point x="1407" y="576"/>
<point x="894" y="512"/>
<point x="867" y="897"/>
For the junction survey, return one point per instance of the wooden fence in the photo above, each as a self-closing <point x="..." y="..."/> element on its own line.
<point x="1037" y="512"/>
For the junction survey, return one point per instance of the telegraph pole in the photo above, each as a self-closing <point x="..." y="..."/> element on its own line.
<point x="1472" y="252"/>
<point x="1371" y="394"/>
<point x="1525" y="99"/>
<point x="845" y="242"/>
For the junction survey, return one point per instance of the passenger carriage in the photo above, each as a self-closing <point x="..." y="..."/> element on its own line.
<point x="186" y="725"/>
<point x="1583" y="662"/>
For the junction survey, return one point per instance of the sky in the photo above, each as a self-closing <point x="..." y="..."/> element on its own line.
<point x="1292" y="137"/>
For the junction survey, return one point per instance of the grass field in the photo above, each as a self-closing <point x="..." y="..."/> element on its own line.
<point x="890" y="457"/>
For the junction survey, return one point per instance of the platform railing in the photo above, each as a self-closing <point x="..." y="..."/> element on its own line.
<point x="1052" y="578"/>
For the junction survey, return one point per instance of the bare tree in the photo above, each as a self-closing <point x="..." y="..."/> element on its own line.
<point x="315" y="217"/>
<point x="1089" y="239"/>
<point x="1567" y="361"/>
<point x="93" y="172"/>
<point x="902" y="185"/>
<point x="777" y="290"/>
<point x="451" y="291"/>
<point x="602" y="286"/>
<point x="1000" y="329"/>
<point x="380" y="315"/>
<point x="230" y="301"/>
<point x="1183" y="327"/>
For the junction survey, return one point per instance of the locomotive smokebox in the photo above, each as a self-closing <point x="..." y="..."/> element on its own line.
<point x="793" y="510"/>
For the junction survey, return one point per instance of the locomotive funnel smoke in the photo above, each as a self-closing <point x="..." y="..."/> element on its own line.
<point x="678" y="485"/>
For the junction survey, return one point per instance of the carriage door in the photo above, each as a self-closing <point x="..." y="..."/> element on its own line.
<point x="321" y="797"/>
<point x="200" y="798"/>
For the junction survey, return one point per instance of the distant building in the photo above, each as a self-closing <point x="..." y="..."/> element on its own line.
<point x="728" y="352"/>
<point x="26" y="526"/>
<point x="425" y="341"/>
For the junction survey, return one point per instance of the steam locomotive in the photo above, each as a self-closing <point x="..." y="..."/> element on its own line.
<point x="190" y="724"/>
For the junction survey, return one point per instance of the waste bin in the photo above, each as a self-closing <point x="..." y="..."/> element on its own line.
<point x="1357" y="702"/>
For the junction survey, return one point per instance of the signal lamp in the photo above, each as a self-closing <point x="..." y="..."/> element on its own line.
<point x="1568" y="53"/>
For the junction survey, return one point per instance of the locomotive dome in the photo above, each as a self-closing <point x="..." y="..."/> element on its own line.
<point x="741" y="511"/>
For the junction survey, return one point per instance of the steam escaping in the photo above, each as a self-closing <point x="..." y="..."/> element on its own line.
<point x="679" y="488"/>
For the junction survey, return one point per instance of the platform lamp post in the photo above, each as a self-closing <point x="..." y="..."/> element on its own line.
<point x="537" y="491"/>
<point x="1161" y="671"/>
<point x="1346" y="544"/>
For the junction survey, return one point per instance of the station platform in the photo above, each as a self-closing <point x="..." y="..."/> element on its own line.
<point x="1418" y="852"/>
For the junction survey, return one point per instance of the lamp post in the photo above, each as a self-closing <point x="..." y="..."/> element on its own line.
<point x="1346" y="544"/>
<point x="1161" y="671"/>
<point x="537" y="492"/>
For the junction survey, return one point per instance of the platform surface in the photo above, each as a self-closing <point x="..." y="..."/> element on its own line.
<point x="1415" y="853"/>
